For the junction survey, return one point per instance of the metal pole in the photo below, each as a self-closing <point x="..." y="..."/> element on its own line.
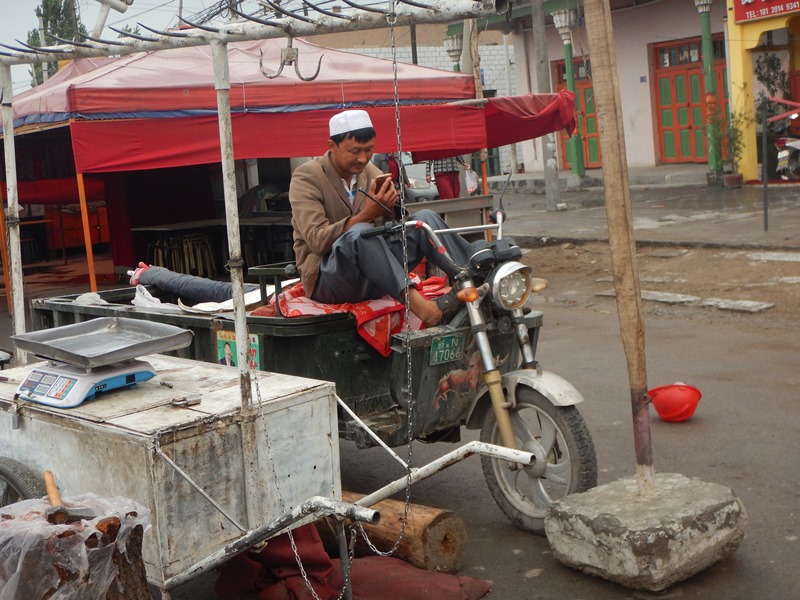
<point x="344" y="561"/>
<point x="764" y="177"/>
<point x="714" y="175"/>
<point x="102" y="16"/>
<point x="552" y="191"/>
<point x="45" y="64"/>
<point x="436" y="11"/>
<point x="413" y="31"/>
<point x="316" y="506"/>
<point x="219" y="54"/>
<point x="14" y="269"/>
<point x="514" y="158"/>
<point x="440" y="464"/>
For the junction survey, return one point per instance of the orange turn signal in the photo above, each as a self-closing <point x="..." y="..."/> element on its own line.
<point x="468" y="294"/>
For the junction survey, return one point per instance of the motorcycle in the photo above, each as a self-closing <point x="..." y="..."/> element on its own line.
<point x="788" y="158"/>
<point x="477" y="371"/>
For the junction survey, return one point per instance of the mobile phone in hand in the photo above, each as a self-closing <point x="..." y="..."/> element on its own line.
<point x="380" y="180"/>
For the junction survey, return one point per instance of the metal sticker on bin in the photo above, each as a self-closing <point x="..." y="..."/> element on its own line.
<point x="447" y="348"/>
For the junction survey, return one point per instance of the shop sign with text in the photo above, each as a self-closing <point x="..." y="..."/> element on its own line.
<point x="751" y="10"/>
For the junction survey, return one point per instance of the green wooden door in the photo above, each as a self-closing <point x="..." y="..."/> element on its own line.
<point x="587" y="126"/>
<point x="680" y="116"/>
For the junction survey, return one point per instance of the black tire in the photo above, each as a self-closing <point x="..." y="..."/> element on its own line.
<point x="17" y="482"/>
<point x="525" y="493"/>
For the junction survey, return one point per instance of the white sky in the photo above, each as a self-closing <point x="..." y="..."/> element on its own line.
<point x="18" y="17"/>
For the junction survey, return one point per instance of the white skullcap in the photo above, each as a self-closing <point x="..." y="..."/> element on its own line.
<point x="349" y="120"/>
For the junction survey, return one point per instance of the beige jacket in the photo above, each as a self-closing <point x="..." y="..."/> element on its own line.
<point x="319" y="211"/>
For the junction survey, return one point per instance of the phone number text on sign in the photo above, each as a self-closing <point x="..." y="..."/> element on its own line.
<point x="750" y="10"/>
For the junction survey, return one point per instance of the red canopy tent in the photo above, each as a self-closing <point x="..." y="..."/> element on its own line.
<point x="158" y="109"/>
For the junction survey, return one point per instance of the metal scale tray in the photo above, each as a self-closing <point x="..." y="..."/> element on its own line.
<point x="103" y="341"/>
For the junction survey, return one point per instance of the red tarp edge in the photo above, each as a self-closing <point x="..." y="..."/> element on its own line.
<point x="57" y="191"/>
<point x="428" y="131"/>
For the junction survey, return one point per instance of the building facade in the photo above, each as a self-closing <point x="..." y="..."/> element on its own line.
<point x="660" y="71"/>
<point x="756" y="30"/>
<point x="660" y="68"/>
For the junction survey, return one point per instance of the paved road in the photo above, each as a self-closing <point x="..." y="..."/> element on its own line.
<point x="744" y="435"/>
<point x="685" y="215"/>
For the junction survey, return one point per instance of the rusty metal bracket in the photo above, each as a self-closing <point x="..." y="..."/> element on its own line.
<point x="289" y="56"/>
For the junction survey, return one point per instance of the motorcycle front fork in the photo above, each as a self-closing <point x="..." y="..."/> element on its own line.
<point x="491" y="374"/>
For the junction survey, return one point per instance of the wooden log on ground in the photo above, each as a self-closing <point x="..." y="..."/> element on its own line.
<point x="433" y="540"/>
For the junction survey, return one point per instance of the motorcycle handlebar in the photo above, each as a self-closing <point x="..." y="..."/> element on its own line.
<point x="497" y="212"/>
<point x="382" y="230"/>
<point x="395" y="226"/>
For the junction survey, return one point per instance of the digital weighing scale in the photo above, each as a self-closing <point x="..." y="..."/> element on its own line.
<point x="93" y="356"/>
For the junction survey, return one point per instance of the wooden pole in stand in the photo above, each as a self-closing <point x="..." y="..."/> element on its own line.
<point x="605" y="83"/>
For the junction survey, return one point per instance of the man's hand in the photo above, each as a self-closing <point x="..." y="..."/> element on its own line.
<point x="386" y="196"/>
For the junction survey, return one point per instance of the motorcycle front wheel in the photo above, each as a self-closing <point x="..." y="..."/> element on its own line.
<point x="524" y="493"/>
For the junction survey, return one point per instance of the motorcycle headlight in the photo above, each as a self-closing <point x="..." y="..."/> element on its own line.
<point x="511" y="285"/>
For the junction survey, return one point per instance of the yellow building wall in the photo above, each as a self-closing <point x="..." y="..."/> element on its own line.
<point x="742" y="39"/>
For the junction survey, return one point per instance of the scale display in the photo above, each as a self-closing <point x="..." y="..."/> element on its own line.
<point x="93" y="356"/>
<point x="67" y="386"/>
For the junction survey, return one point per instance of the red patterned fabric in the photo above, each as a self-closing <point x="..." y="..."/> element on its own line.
<point x="376" y="320"/>
<point x="273" y="574"/>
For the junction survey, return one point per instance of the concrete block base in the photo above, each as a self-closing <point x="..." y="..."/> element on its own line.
<point x="646" y="543"/>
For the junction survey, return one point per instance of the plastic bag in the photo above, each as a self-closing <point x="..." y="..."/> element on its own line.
<point x="146" y="300"/>
<point x="472" y="180"/>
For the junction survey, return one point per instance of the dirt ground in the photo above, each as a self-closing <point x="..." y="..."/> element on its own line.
<point x="579" y="272"/>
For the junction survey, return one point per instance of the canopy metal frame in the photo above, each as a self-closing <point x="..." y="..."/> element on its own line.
<point x="362" y="17"/>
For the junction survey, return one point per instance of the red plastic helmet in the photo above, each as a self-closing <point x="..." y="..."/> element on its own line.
<point x="676" y="402"/>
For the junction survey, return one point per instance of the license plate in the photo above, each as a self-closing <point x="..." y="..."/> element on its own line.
<point x="783" y="164"/>
<point x="447" y="348"/>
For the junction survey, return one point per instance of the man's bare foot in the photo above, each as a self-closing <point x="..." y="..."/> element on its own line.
<point x="427" y="310"/>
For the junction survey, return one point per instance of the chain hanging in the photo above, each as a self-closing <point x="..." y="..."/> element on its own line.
<point x="282" y="503"/>
<point x="391" y="19"/>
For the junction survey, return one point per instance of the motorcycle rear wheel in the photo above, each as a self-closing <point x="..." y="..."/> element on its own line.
<point x="524" y="494"/>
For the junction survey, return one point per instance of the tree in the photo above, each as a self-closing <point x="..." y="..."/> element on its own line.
<point x="127" y="29"/>
<point x="61" y="20"/>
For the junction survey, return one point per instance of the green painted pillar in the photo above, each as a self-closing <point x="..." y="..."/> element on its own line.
<point x="713" y="138"/>
<point x="574" y="143"/>
<point x="564" y="21"/>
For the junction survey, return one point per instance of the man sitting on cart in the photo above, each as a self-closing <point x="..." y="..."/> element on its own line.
<point x="334" y="199"/>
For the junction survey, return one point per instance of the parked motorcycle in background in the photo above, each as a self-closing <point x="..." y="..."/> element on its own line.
<point x="788" y="158"/>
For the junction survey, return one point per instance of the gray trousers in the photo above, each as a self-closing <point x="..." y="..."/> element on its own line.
<point x="359" y="268"/>
<point x="190" y="288"/>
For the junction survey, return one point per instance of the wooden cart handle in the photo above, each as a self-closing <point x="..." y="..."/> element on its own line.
<point x="52" y="489"/>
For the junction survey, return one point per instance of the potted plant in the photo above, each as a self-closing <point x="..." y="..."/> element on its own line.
<point x="733" y="144"/>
